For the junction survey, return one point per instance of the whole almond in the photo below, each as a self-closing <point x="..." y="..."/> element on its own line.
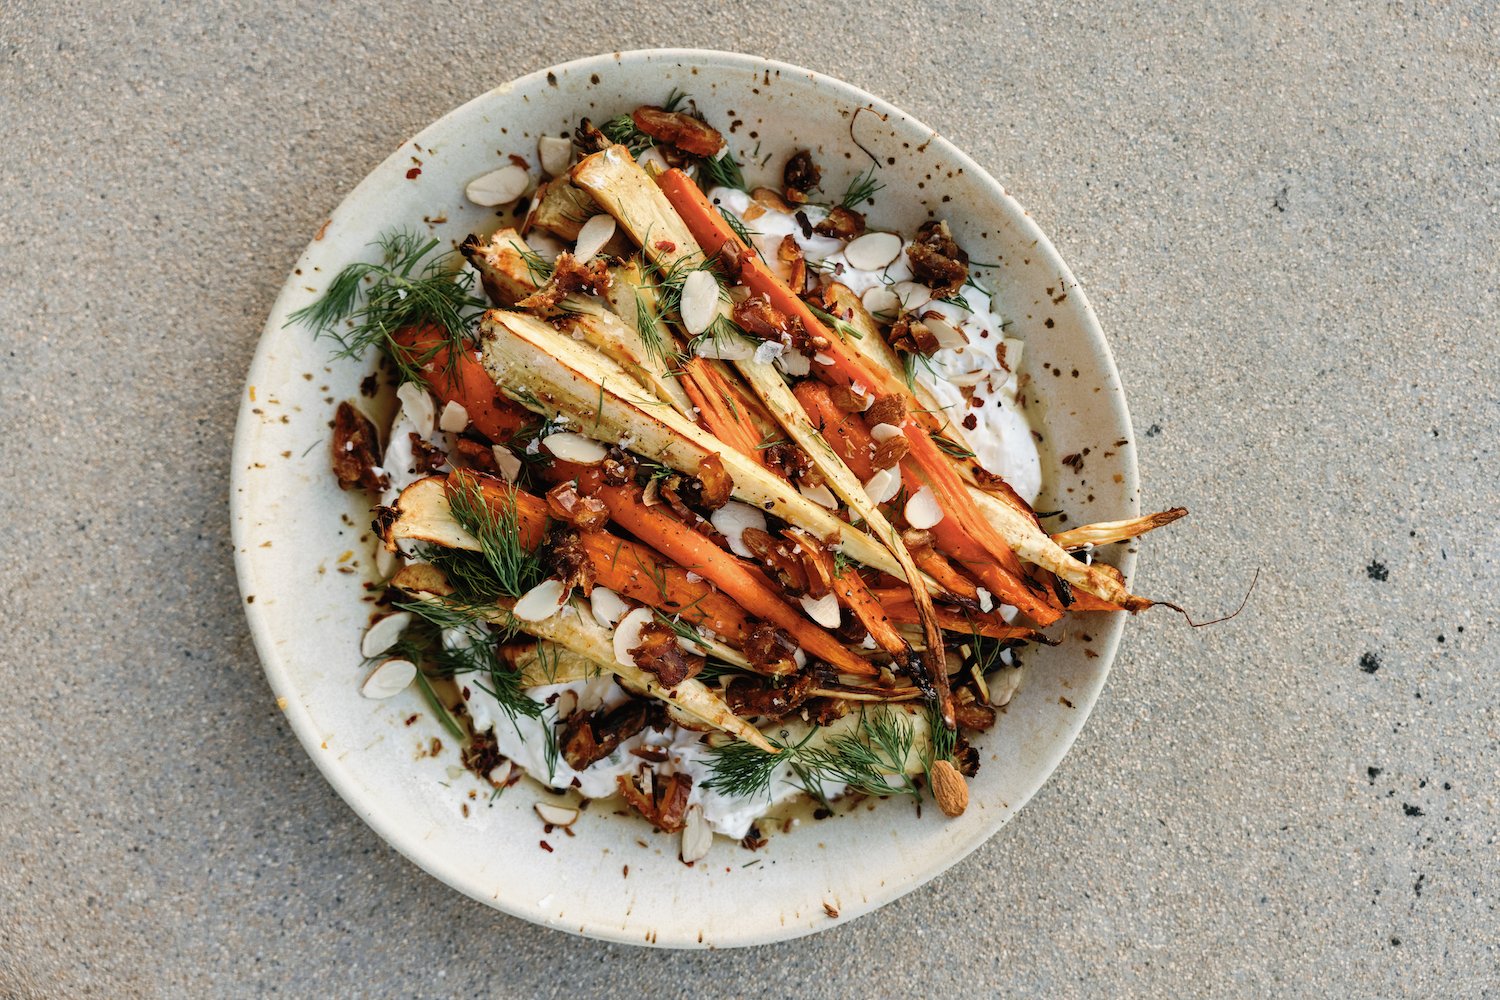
<point x="949" y="789"/>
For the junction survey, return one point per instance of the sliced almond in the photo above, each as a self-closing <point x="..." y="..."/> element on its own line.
<point x="1003" y="685"/>
<point x="566" y="705"/>
<point x="922" y="510"/>
<point x="822" y="359"/>
<point x="386" y="562"/>
<point x="881" y="433"/>
<point x="700" y="301"/>
<point x="949" y="337"/>
<point x="697" y="837"/>
<point x="540" y="602"/>
<point x="883" y="486"/>
<point x="417" y="404"/>
<point x="628" y="635"/>
<point x="499" y="774"/>
<point x="576" y="448"/>
<point x="824" y="611"/>
<point x="881" y="301"/>
<point x="554" y="815"/>
<point x="383" y="634"/>
<point x="388" y="679"/>
<point x="499" y="187"/>
<point x="595" y="233"/>
<point x="732" y="519"/>
<point x="555" y="154"/>
<point x="820" y="495"/>
<point x="873" y="251"/>
<point x="608" y="607"/>
<point x="913" y="295"/>
<point x="794" y="363"/>
<point x="506" y="461"/>
<point x="454" y="417"/>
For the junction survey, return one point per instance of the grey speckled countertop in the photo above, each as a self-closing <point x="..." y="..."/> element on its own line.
<point x="1287" y="219"/>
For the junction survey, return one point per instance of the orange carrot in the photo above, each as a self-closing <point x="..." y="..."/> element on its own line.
<point x="463" y="380"/>
<point x="691" y="550"/>
<point x="854" y="595"/>
<point x="626" y="567"/>
<point x="845" y="366"/>
<point x="719" y="410"/>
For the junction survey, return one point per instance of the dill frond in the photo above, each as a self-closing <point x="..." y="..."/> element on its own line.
<point x="367" y="303"/>
<point x="724" y="171"/>
<point x="861" y="189"/>
<point x="512" y="568"/>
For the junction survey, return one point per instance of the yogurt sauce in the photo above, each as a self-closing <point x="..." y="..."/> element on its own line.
<point x="1001" y="438"/>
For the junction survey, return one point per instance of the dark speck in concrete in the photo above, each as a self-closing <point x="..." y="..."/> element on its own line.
<point x="1377" y="571"/>
<point x="1411" y="810"/>
<point x="1369" y="662"/>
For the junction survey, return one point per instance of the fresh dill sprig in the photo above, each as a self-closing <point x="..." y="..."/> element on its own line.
<point x="957" y="299"/>
<point x="770" y="441"/>
<point x="720" y="332"/>
<point x="513" y="568"/>
<point x="841" y="562"/>
<point x="867" y="760"/>
<point x="941" y="740"/>
<point x="861" y="189"/>
<point x="951" y="447"/>
<point x="724" y="171"/>
<point x="910" y="362"/>
<point x="741" y="230"/>
<point x="648" y="327"/>
<point x="847" y="329"/>
<point x="367" y="303"/>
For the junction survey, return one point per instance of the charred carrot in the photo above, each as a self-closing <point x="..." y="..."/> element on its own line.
<point x="691" y="550"/>
<point x="718" y="408"/>
<point x="463" y="380"/>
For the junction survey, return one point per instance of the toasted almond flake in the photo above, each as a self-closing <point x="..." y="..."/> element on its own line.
<point x="507" y="462"/>
<point x="922" y="510"/>
<point x="540" y="602"/>
<point x="386" y="562"/>
<point x="628" y="635"/>
<point x="820" y="495"/>
<point x="566" y="705"/>
<point x="794" y="363"/>
<point x="986" y="600"/>
<point x="799" y="658"/>
<point x="883" y="486"/>
<point x="500" y="773"/>
<point x="571" y="447"/>
<point x="700" y="301"/>
<point x="608" y="607"/>
<point x="873" y="251"/>
<point x="593" y="235"/>
<point x="731" y="347"/>
<point x="1003" y="685"/>
<point x="554" y="815"/>
<point x="383" y="634"/>
<point x="499" y="187"/>
<point x="823" y="359"/>
<point x="454" y="417"/>
<point x="824" y="611"/>
<point x="880" y="300"/>
<point x="969" y="379"/>
<point x="389" y="679"/>
<point x="555" y="154"/>
<point x="948" y="336"/>
<point x="697" y="836"/>
<point x="417" y="404"/>
<point x="913" y="295"/>
<point x="1008" y="613"/>
<point x="732" y="519"/>
<point x="881" y="433"/>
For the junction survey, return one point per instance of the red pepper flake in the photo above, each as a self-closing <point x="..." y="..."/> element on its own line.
<point x="665" y="246"/>
<point x="545" y="846"/>
<point x="519" y="161"/>
<point x="413" y="718"/>
<point x="413" y="173"/>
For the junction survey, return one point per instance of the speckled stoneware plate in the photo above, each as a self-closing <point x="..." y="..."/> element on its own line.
<point x="303" y="548"/>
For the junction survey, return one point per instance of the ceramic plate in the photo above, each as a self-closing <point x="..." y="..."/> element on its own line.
<point x="303" y="547"/>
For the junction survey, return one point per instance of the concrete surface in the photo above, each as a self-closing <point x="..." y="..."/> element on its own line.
<point x="1286" y="218"/>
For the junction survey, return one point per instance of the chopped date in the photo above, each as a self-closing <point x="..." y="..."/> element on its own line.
<point x="354" y="459"/>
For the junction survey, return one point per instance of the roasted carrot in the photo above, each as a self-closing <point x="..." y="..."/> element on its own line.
<point x="855" y="595"/>
<point x="719" y="409"/>
<point x="462" y="380"/>
<point x="626" y="567"/>
<point x="691" y="550"/>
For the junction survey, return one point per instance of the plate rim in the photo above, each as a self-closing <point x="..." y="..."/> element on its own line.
<point x="277" y="672"/>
